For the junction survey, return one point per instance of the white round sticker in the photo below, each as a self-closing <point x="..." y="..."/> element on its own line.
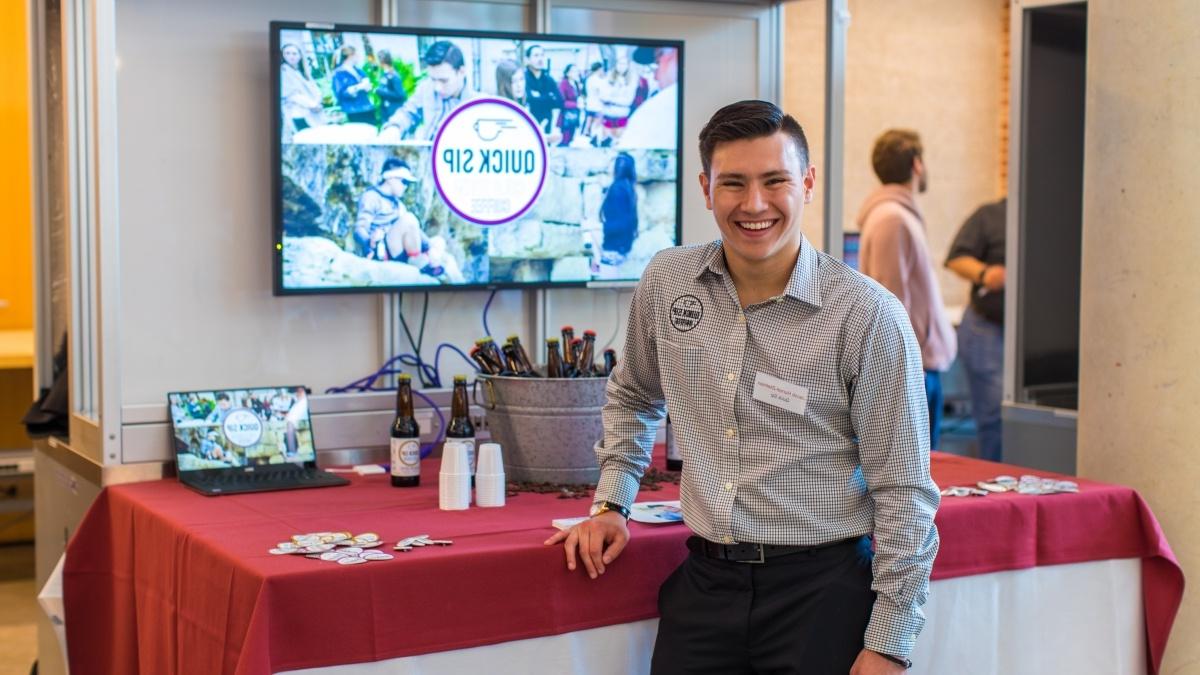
<point x="242" y="427"/>
<point x="489" y="161"/>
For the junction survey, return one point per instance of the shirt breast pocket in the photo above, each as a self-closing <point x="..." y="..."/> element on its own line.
<point x="827" y="399"/>
<point x="681" y="368"/>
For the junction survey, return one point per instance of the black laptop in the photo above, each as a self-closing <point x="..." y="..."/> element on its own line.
<point x="246" y="440"/>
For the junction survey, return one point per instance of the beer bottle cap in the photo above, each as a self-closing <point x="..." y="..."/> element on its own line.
<point x="570" y="328"/>
<point x="577" y="341"/>
<point x="404" y="377"/>
<point x="514" y="338"/>
<point x="589" y="333"/>
<point x="610" y="350"/>
<point x="552" y="341"/>
<point x="460" y="378"/>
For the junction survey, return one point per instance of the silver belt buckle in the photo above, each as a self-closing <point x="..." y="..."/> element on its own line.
<point x="762" y="556"/>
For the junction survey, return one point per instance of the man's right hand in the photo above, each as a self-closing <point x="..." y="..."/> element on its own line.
<point x="598" y="540"/>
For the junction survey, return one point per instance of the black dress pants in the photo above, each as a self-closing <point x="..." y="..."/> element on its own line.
<point x="799" y="613"/>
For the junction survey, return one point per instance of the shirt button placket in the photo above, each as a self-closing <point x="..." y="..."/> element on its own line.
<point x="735" y="348"/>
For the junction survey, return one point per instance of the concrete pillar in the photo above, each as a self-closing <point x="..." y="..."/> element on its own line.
<point x="1139" y="412"/>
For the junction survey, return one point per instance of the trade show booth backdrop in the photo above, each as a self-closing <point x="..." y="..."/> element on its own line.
<point x="193" y="127"/>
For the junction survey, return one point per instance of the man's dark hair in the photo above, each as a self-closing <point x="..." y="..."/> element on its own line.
<point x="894" y="153"/>
<point x="530" y="48"/>
<point x="444" y="51"/>
<point x="222" y="396"/>
<point x="749" y="119"/>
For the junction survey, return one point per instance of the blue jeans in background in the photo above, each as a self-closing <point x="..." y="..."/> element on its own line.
<point x="933" y="394"/>
<point x="981" y="349"/>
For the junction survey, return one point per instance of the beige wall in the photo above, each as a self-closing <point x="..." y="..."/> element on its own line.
<point x="804" y="94"/>
<point x="1139" y="415"/>
<point x="930" y="65"/>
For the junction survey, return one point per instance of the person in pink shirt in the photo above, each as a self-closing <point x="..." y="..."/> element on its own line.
<point x="894" y="251"/>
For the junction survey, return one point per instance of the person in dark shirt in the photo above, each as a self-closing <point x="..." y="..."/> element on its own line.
<point x="391" y="87"/>
<point x="977" y="255"/>
<point x="541" y="91"/>
<point x="351" y="88"/>
<point x="618" y="212"/>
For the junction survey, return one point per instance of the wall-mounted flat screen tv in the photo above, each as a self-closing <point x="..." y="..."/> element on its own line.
<point x="415" y="159"/>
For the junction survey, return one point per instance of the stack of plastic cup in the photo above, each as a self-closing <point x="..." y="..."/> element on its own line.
<point x="489" y="476"/>
<point x="454" y="480"/>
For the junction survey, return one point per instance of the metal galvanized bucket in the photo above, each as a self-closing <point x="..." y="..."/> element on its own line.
<point x="548" y="428"/>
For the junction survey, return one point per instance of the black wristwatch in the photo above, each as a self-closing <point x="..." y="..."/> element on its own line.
<point x="604" y="507"/>
<point x="896" y="659"/>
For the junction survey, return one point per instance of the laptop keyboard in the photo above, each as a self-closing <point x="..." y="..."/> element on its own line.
<point x="259" y="481"/>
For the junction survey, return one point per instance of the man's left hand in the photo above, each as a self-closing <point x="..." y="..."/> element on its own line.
<point x="872" y="663"/>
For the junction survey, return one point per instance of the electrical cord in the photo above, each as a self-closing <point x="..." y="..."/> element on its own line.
<point x="421" y="330"/>
<point x="425" y="371"/>
<point x="612" y="338"/>
<point x="422" y="375"/>
<point x="488" y="331"/>
<point x="366" y="384"/>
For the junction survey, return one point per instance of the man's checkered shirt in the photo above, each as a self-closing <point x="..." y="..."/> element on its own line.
<point x="855" y="462"/>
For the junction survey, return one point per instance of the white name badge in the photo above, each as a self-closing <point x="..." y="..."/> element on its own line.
<point x="780" y="393"/>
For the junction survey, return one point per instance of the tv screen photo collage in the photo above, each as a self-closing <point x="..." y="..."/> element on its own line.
<point x="423" y="161"/>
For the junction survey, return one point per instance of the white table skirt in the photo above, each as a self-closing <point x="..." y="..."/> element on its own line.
<point x="1056" y="620"/>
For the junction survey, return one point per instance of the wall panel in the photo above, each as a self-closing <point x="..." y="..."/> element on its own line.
<point x="194" y="190"/>
<point x="1139" y="387"/>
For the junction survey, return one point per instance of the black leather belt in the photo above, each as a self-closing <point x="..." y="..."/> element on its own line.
<point x="756" y="553"/>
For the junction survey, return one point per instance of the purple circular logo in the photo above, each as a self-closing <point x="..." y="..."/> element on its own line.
<point x="489" y="161"/>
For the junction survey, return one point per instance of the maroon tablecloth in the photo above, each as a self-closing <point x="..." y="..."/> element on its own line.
<point x="159" y="579"/>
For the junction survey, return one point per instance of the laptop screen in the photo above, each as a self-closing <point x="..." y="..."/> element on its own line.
<point x="241" y="427"/>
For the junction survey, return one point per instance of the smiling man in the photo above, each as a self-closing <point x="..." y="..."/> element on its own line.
<point x="796" y="394"/>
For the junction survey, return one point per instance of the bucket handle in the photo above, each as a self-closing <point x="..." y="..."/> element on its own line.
<point x="489" y="393"/>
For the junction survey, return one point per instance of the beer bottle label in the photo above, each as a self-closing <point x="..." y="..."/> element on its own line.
<point x="672" y="448"/>
<point x="406" y="457"/>
<point x="470" y="443"/>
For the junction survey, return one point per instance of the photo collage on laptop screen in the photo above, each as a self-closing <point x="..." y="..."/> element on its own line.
<point x="241" y="427"/>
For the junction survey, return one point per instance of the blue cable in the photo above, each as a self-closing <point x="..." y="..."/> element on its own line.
<point x="437" y="355"/>
<point x="367" y="384"/>
<point x="486" y="305"/>
<point x="428" y="447"/>
<point x="430" y="372"/>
